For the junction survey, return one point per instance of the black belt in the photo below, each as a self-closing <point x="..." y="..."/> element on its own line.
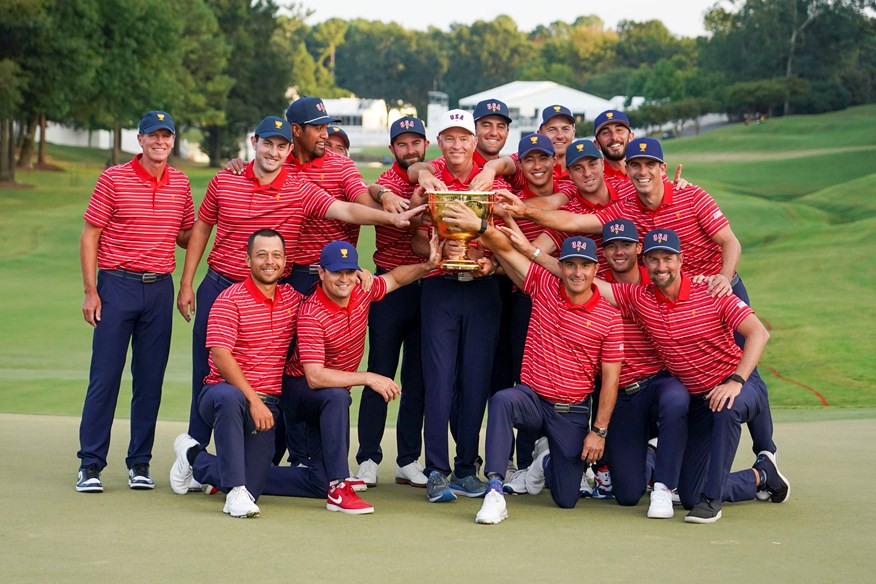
<point x="143" y="277"/>
<point x="216" y="276"/>
<point x="270" y="400"/>
<point x="311" y="269"/>
<point x="638" y="386"/>
<point x="580" y="407"/>
<point x="464" y="277"/>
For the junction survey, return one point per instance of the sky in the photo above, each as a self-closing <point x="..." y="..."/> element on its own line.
<point x="681" y="17"/>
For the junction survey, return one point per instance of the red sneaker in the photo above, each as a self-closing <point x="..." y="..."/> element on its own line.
<point x="342" y="497"/>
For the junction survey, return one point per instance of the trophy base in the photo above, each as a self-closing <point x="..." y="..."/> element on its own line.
<point x="460" y="265"/>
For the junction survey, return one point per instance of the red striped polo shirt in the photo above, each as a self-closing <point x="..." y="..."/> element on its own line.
<point x="333" y="335"/>
<point x="338" y="176"/>
<point x="530" y="228"/>
<point x="690" y="212"/>
<point x="393" y="245"/>
<point x="256" y="329"/>
<point x="566" y="343"/>
<point x="694" y="335"/>
<point x="239" y="205"/>
<point x="141" y="217"/>
<point x="581" y="206"/>
<point x="618" y="179"/>
<point x="640" y="357"/>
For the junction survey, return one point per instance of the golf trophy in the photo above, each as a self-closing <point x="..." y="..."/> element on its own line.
<point x="479" y="202"/>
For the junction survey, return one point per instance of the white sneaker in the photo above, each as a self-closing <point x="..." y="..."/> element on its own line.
<point x="411" y="474"/>
<point x="535" y="473"/>
<point x="661" y="503"/>
<point x="368" y="473"/>
<point x="195" y="486"/>
<point x="239" y="503"/>
<point x="516" y="483"/>
<point x="493" y="510"/>
<point x="588" y="482"/>
<point x="181" y="471"/>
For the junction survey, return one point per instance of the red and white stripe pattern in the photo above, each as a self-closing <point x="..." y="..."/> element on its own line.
<point x="691" y="212"/>
<point x="239" y="205"/>
<point x="256" y="329"/>
<point x="616" y="178"/>
<point x="332" y="335"/>
<point x="694" y="335"/>
<point x="338" y="176"/>
<point x="141" y="217"/>
<point x="529" y="228"/>
<point x="640" y="357"/>
<point x="566" y="343"/>
<point x="393" y="245"/>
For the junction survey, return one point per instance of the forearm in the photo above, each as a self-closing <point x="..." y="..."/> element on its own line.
<point x="321" y="377"/>
<point x="404" y="275"/>
<point x="756" y="337"/>
<point x="607" y="394"/>
<point x="731" y="251"/>
<point x="563" y="220"/>
<point x="88" y="257"/>
<point x="415" y="169"/>
<point x="197" y="243"/>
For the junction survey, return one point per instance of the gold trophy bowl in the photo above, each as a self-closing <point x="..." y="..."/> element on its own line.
<point x="478" y="201"/>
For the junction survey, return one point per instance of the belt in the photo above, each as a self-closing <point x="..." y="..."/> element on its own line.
<point x="638" y="386"/>
<point x="224" y="280"/>
<point x="464" y="277"/>
<point x="306" y="268"/>
<point x="270" y="400"/>
<point x="144" y="277"/>
<point x="580" y="407"/>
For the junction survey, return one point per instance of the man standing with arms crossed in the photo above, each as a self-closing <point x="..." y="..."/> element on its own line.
<point x="136" y="215"/>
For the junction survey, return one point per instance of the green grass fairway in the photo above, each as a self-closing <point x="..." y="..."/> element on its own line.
<point x="51" y="533"/>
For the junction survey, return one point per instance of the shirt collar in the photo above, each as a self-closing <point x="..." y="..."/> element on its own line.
<point x="668" y="193"/>
<point x="587" y="306"/>
<point x="275" y="185"/>
<point x="683" y="292"/>
<point x="145" y="176"/>
<point x="315" y="163"/>
<point x="644" y="278"/>
<point x="479" y="158"/>
<point x="259" y="296"/>
<point x="400" y="172"/>
<point x="448" y="178"/>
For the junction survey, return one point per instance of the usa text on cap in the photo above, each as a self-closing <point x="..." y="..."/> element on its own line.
<point x="619" y="230"/>
<point x="581" y="149"/>
<point x="645" y="148"/>
<point x="491" y="107"/>
<point x="610" y="117"/>
<point x="405" y="125"/>
<point x="156" y="120"/>
<point x="578" y="247"/>
<point x="309" y="110"/>
<point x="662" y="239"/>
<point x="274" y="126"/>
<point x="338" y="131"/>
<point x="532" y="142"/>
<point x="553" y="111"/>
<point x="457" y="118"/>
<point x="339" y="255"/>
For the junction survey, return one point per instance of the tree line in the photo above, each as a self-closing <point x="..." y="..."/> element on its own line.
<point x="220" y="65"/>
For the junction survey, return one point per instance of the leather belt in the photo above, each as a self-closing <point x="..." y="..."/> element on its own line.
<point x="143" y="277"/>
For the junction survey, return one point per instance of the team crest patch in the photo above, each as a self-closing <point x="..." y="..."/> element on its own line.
<point x="557" y="108"/>
<point x="456" y="116"/>
<point x="407" y="124"/>
<point x="494" y="107"/>
<point x="660" y="237"/>
<point x="160" y="116"/>
<point x="580" y="147"/>
<point x="643" y="146"/>
<point x="693" y="312"/>
<point x="616" y="228"/>
<point x="609" y="115"/>
<point x="533" y="139"/>
<point x="336" y="129"/>
<point x="278" y="124"/>
<point x="321" y="107"/>
<point x="579" y="245"/>
<point x="343" y="253"/>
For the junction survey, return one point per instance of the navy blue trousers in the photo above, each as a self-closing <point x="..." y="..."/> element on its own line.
<point x="664" y="401"/>
<point x="393" y="323"/>
<point x="140" y="315"/>
<point x="459" y="332"/>
<point x="712" y="440"/>
<point x="211" y="287"/>
<point x="325" y="414"/>
<point x="520" y="407"/>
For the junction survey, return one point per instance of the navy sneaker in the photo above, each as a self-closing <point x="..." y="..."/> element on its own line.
<point x="470" y="486"/>
<point x="139" y="477"/>
<point x="89" y="479"/>
<point x="438" y="488"/>
<point x="706" y="511"/>
<point x="776" y="484"/>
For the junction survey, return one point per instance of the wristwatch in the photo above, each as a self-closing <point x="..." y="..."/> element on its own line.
<point x="601" y="432"/>
<point x="483" y="228"/>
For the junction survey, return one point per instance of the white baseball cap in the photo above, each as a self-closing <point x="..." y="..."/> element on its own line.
<point x="457" y="118"/>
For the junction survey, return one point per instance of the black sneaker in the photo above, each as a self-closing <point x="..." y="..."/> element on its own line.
<point x="776" y="484"/>
<point x="89" y="479"/>
<point x="706" y="511"/>
<point x="139" y="477"/>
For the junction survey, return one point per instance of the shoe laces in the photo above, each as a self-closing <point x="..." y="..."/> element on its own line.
<point x="140" y="470"/>
<point x="91" y="471"/>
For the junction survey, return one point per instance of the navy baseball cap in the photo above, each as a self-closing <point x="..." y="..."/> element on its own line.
<point x="662" y="239"/>
<point x="339" y="255"/>
<point x="610" y="117"/>
<point x="553" y="111"/>
<point x="405" y="125"/>
<point x="578" y="247"/>
<point x="338" y="131"/>
<point x="156" y="120"/>
<point x="619" y="230"/>
<point x="532" y="142"/>
<point x="491" y="107"/>
<point x="645" y="148"/>
<point x="309" y="110"/>
<point x="274" y="126"/>
<point x="581" y="149"/>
